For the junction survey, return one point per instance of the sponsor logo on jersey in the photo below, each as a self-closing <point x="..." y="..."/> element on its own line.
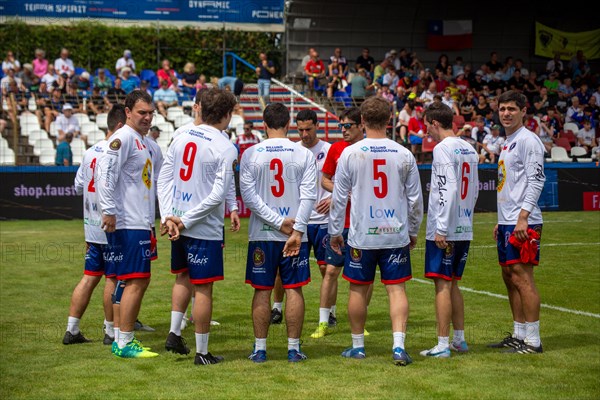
<point x="195" y="259"/>
<point x="364" y="148"/>
<point x="260" y="149"/>
<point x="512" y="146"/>
<point x="115" y="144"/>
<point x="356" y="255"/>
<point x="147" y="174"/>
<point x="258" y="257"/>
<point x="320" y="155"/>
<point x="398" y="259"/>
<point x="324" y="241"/>
<point x="501" y="175"/>
<point x="449" y="250"/>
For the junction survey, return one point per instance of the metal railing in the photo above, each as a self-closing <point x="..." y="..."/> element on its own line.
<point x="234" y="60"/>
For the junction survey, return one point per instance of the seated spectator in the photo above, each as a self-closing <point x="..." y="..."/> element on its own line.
<point x="50" y="76"/>
<point x="380" y="70"/>
<point x="11" y="75"/>
<point x="416" y="132"/>
<point x="10" y="62"/>
<point x="426" y="97"/>
<point x="49" y="108"/>
<point x="392" y="57"/>
<point x="342" y="62"/>
<point x="165" y="97"/>
<point x="407" y="112"/>
<point x="466" y="133"/>
<point x="247" y="139"/>
<point x="586" y="137"/>
<point x="102" y="81"/>
<point x="360" y="84"/>
<point x="575" y="112"/>
<point x="449" y="101"/>
<point x="40" y="64"/>
<point x="365" y="61"/>
<point x="64" y="154"/>
<point x="67" y="123"/>
<point x="125" y="61"/>
<point x="584" y="93"/>
<point x="530" y="122"/>
<point x="201" y="83"/>
<point x="64" y="64"/>
<point x="384" y="91"/>
<point x="61" y="83"/>
<point x="491" y="146"/>
<point x="189" y="77"/>
<point x="115" y="95"/>
<point x="440" y="80"/>
<point x="547" y="133"/>
<point x="128" y="82"/>
<point x="516" y="81"/>
<point x="335" y="78"/>
<point x="145" y="86"/>
<point x="73" y="98"/>
<point x="96" y="104"/>
<point x="82" y="82"/>
<point x="462" y="83"/>
<point x="315" y="73"/>
<point x="391" y="79"/>
<point x="166" y="73"/>
<point x="236" y="124"/>
<point x="30" y="81"/>
<point x="479" y="131"/>
<point x="555" y="65"/>
<point x="14" y="99"/>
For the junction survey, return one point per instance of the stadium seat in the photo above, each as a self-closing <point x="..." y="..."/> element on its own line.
<point x="79" y="70"/>
<point x="87" y="127"/>
<point x="580" y="154"/>
<point x="101" y="120"/>
<point x="428" y="144"/>
<point x="459" y="120"/>
<point x="147" y="74"/>
<point x="48" y="157"/>
<point x="53" y="129"/>
<point x="32" y="105"/>
<point x="563" y="142"/>
<point x="181" y="120"/>
<point x="35" y="135"/>
<point x="172" y="112"/>
<point x="559" y="154"/>
<point x="7" y="156"/>
<point x="158" y="119"/>
<point x="95" y="136"/>
<point x="82" y="118"/>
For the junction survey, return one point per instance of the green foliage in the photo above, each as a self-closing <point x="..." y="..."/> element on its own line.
<point x="93" y="45"/>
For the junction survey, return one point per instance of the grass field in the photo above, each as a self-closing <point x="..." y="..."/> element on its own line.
<point x="42" y="261"/>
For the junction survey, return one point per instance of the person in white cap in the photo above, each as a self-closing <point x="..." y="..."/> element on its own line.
<point x="125" y="61"/>
<point x="67" y="123"/>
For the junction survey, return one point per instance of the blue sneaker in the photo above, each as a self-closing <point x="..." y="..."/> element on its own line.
<point x="358" y="352"/>
<point x="296" y="356"/>
<point x="460" y="347"/>
<point x="401" y="357"/>
<point x="258" y="356"/>
<point x="436" y="352"/>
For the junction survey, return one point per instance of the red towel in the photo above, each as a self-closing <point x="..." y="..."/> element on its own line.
<point x="529" y="247"/>
<point x="152" y="242"/>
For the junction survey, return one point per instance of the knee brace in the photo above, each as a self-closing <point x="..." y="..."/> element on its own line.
<point x="118" y="293"/>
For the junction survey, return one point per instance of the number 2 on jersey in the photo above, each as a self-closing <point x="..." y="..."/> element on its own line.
<point x="91" y="187"/>
<point x="189" y="154"/>
<point x="277" y="166"/>
<point x="382" y="190"/>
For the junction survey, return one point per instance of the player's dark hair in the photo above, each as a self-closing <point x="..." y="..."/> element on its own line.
<point x="353" y="114"/>
<point x="276" y="116"/>
<point x="216" y="104"/>
<point x="519" y="98"/>
<point x="376" y="112"/>
<point x="115" y="115"/>
<point x="307" y="115"/>
<point x="441" y="113"/>
<point x="135" y="96"/>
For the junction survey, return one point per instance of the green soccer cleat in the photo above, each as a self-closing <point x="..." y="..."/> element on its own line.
<point x="322" y="330"/>
<point x="132" y="350"/>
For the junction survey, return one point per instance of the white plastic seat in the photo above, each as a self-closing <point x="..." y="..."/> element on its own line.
<point x="7" y="156"/>
<point x="95" y="136"/>
<point x="571" y="126"/>
<point x="158" y="119"/>
<point x="580" y="153"/>
<point x="173" y="112"/>
<point x="48" y="157"/>
<point x="181" y="120"/>
<point x="101" y="120"/>
<point x="82" y="118"/>
<point x="559" y="154"/>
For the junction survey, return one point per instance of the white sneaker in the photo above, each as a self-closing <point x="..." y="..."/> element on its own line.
<point x="436" y="352"/>
<point x="184" y="323"/>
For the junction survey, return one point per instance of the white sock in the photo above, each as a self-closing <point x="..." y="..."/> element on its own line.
<point x="109" y="328"/>
<point x="519" y="331"/>
<point x="117" y="334"/>
<point x="278" y="306"/>
<point x="358" y="340"/>
<point x="176" y="318"/>
<point x="124" y="338"/>
<point x="532" y="336"/>
<point x="399" y="339"/>
<point x="202" y="343"/>
<point x="459" y="336"/>
<point x="333" y="309"/>
<point x="260" y="344"/>
<point x="294" y="344"/>
<point x="323" y="315"/>
<point x="443" y="342"/>
<point x="73" y="325"/>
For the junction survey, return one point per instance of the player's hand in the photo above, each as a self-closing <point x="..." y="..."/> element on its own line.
<point x="109" y="223"/>
<point x="287" y="227"/>
<point x="292" y="245"/>
<point x="520" y="230"/>
<point x="413" y="242"/>
<point x="235" y="221"/>
<point x="323" y="206"/>
<point x="177" y="222"/>
<point x="496" y="232"/>
<point x="163" y="229"/>
<point x="337" y="244"/>
<point x="172" y="230"/>
<point x="440" y="241"/>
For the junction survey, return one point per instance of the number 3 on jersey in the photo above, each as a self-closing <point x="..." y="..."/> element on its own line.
<point x="278" y="188"/>
<point x="378" y="175"/>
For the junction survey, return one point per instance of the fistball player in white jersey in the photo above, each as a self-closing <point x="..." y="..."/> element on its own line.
<point x="97" y="257"/>
<point x="192" y="187"/>
<point x="278" y="183"/>
<point x="520" y="183"/>
<point x="387" y="209"/>
<point x="452" y="198"/>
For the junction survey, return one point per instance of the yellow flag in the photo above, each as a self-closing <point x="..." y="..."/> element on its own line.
<point x="549" y="41"/>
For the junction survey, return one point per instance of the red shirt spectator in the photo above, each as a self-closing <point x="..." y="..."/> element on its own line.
<point x="315" y="67"/>
<point x="167" y="74"/>
<point x="247" y="140"/>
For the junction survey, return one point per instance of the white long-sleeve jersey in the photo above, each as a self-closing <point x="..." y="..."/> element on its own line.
<point x="278" y="180"/>
<point x="387" y="203"/>
<point x="319" y="151"/>
<point x="454" y="190"/>
<point x="157" y="158"/>
<point x="520" y="177"/>
<point x="231" y="200"/>
<point x="125" y="180"/>
<point x="194" y="181"/>
<point x="85" y="184"/>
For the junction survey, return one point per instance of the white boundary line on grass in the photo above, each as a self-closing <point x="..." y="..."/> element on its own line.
<point x="493" y="246"/>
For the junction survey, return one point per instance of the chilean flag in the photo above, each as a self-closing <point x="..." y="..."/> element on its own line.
<point x="450" y="35"/>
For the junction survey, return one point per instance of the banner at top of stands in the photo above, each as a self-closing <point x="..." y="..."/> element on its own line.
<point x="138" y="11"/>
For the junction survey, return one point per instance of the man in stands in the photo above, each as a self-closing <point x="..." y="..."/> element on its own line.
<point x="315" y="72"/>
<point x="64" y="64"/>
<point x="125" y="61"/>
<point x="247" y="140"/>
<point x="67" y="123"/>
<point x="165" y="97"/>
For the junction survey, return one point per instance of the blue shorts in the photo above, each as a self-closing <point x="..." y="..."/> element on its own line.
<point x="394" y="265"/>
<point x="154" y="247"/>
<point x="317" y="240"/>
<point x="333" y="258"/>
<point x="95" y="261"/>
<point x="415" y="139"/>
<point x="130" y="252"/>
<point x="507" y="253"/>
<point x="203" y="259"/>
<point x="265" y="258"/>
<point x="448" y="263"/>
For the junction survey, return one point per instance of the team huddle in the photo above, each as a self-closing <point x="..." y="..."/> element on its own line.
<point x="356" y="203"/>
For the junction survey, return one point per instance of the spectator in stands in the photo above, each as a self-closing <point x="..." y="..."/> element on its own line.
<point x="407" y="112"/>
<point x="532" y="87"/>
<point x="247" y="139"/>
<point x="508" y="69"/>
<point x="406" y="59"/>
<point x="145" y="86"/>
<point x="594" y="110"/>
<point x="201" y="83"/>
<point x="11" y="75"/>
<point x="230" y="83"/>
<point x="50" y="76"/>
<point x="449" y="101"/>
<point x="442" y="63"/>
<point x="547" y="134"/>
<point x="530" y="122"/>
<point x="519" y="66"/>
<point x="440" y="81"/>
<point x="491" y="146"/>
<point x="315" y="73"/>
<point x="380" y="70"/>
<point x="67" y="123"/>
<point x="102" y="81"/>
<point x="64" y="154"/>
<point x="360" y="85"/>
<point x="236" y="124"/>
<point x="551" y="83"/>
<point x="405" y="85"/>
<point x="189" y="78"/>
<point x="516" y="82"/>
<point x="555" y="65"/>
<point x="165" y="97"/>
<point x="479" y="130"/>
<point x="125" y="61"/>
<point x="42" y="97"/>
<point x="166" y="73"/>
<point x="341" y="60"/>
<point x="307" y="57"/>
<point x="541" y="102"/>
<point x="426" y="98"/>
<point x="114" y="95"/>
<point x="391" y="79"/>
<point x="335" y="78"/>
<point x="48" y="107"/>
<point x="466" y="134"/>
<point x="128" y="82"/>
<point x="82" y="82"/>
<point x="154" y="133"/>
<point x="14" y="99"/>
<point x="96" y="104"/>
<point x="64" y="64"/>
<point x="575" y="111"/>
<point x="458" y="66"/>
<point x="384" y="91"/>
<point x="72" y="97"/>
<point x="29" y="80"/>
<point x="584" y="93"/>
<point x="493" y="64"/>
<point x="477" y="83"/>
<point x="416" y="132"/>
<point x="392" y="57"/>
<point x="61" y="83"/>
<point x="264" y="72"/>
<point x="586" y="137"/>
<point x="365" y="61"/>
<point x="10" y="61"/>
<point x="40" y="64"/>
